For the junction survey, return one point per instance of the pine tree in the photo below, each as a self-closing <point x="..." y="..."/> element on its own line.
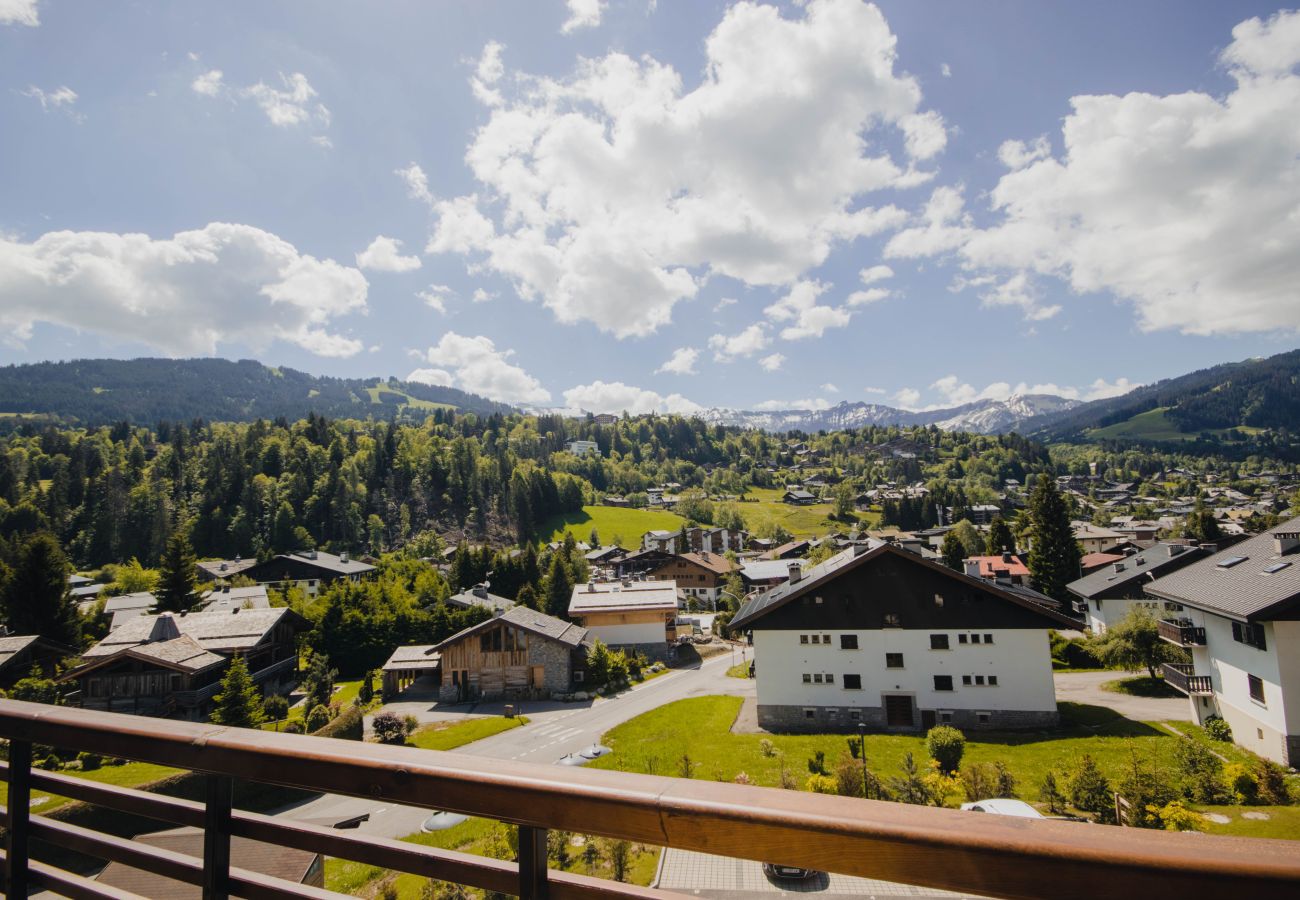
<point x="239" y="704"/>
<point x="1000" y="538"/>
<point x="953" y="551"/>
<point x="34" y="596"/>
<point x="1054" y="557"/>
<point x="178" y="585"/>
<point x="559" y="588"/>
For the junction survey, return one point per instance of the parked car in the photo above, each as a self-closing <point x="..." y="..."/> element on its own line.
<point x="1004" y="806"/>
<point x="788" y="873"/>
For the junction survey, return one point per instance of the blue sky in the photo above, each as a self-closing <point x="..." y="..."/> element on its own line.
<point x="633" y="205"/>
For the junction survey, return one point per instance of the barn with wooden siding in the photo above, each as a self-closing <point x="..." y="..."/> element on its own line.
<point x="519" y="653"/>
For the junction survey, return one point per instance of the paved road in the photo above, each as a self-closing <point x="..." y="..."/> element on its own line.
<point x="553" y="730"/>
<point x="1085" y="687"/>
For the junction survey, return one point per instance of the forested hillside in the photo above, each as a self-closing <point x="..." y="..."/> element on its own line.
<point x="147" y="391"/>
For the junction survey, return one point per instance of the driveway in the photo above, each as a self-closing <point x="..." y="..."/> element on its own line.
<point x="1085" y="687"/>
<point x="724" y="878"/>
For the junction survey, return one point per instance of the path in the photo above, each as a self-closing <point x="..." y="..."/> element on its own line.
<point x="1085" y="687"/>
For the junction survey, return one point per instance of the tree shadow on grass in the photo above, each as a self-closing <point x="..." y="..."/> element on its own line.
<point x="1077" y="720"/>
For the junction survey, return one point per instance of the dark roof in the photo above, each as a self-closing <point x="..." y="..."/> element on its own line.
<point x="1142" y="566"/>
<point x="13" y="646"/>
<point x="472" y="597"/>
<point x="1261" y="584"/>
<point x="225" y="568"/>
<point x="267" y="859"/>
<point x="822" y="573"/>
<point x="326" y="562"/>
<point x="529" y="620"/>
<point x="228" y="631"/>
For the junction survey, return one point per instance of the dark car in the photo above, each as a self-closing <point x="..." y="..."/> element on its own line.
<point x="788" y="873"/>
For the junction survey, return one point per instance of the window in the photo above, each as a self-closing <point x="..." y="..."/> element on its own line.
<point x="807" y="679"/>
<point x="1232" y="561"/>
<point x="988" y="638"/>
<point x="993" y="681"/>
<point x="892" y="620"/>
<point x="945" y="716"/>
<point x="979" y="680"/>
<point x="943" y="682"/>
<point x="809" y="713"/>
<point x="826" y="639"/>
<point x="938" y="642"/>
<point x="848" y="642"/>
<point x="803" y="638"/>
<point x="893" y="660"/>
<point x="830" y="679"/>
<point x="965" y="679"/>
<point x="974" y="638"/>
<point x="1256" y="688"/>
<point x="1250" y="634"/>
<point x="983" y="718"/>
<point x="816" y="638"/>
<point x="817" y="678"/>
<point x="961" y="638"/>
<point x="855" y="715"/>
<point x="852" y="682"/>
<point x="938" y="600"/>
<point x="578" y="675"/>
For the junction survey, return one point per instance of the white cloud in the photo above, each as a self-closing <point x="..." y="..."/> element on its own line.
<point x="209" y="84"/>
<point x="616" y="397"/>
<point x="385" y="255"/>
<point x="829" y="388"/>
<point x="682" y="362"/>
<point x="294" y="105"/>
<point x="955" y="392"/>
<point x="746" y="343"/>
<point x="945" y="70"/>
<point x="60" y="96"/>
<point x="474" y="364"/>
<point x="907" y="398"/>
<point x="487" y="72"/>
<point x="942" y="227"/>
<point x="612" y="193"/>
<point x="417" y="183"/>
<point x="1102" y="389"/>
<point x="435" y="296"/>
<point x="435" y="377"/>
<point x="874" y="274"/>
<point x="874" y="390"/>
<point x="800" y="307"/>
<point x="482" y="296"/>
<point x="1019" y="290"/>
<point x="870" y="294"/>
<point x="583" y="14"/>
<point x="1018" y="154"/>
<point x="19" y="12"/>
<point x="810" y="403"/>
<point x="187" y="294"/>
<point x="772" y="362"/>
<point x="724" y="303"/>
<point x="1184" y="204"/>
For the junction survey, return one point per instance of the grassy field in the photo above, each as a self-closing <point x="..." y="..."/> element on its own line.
<point x="1156" y="425"/>
<point x="696" y="733"/>
<point x="407" y="399"/>
<point x="1140" y="686"/>
<point x="450" y="735"/>
<point x="612" y="522"/>
<point x="131" y="775"/>
<point x="800" y="521"/>
<point x="345" y="692"/>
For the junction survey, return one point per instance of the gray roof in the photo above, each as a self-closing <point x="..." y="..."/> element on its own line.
<point x="12" y="646"/>
<point x="1245" y="590"/>
<point x="489" y="601"/>
<point x="529" y="620"/>
<point x="827" y="571"/>
<point x="226" y="568"/>
<point x="413" y="656"/>
<point x="182" y="653"/>
<point x="326" y="561"/>
<point x="767" y="569"/>
<point x="254" y="597"/>
<point x="1142" y="566"/>
<point x="217" y="631"/>
<point x="138" y="600"/>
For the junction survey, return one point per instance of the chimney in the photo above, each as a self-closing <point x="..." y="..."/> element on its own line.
<point x="1176" y="549"/>
<point x="1119" y="567"/>
<point x="1006" y="556"/>
<point x="1130" y="551"/>
<point x="163" y="629"/>
<point x="222" y="567"/>
<point x="796" y="572"/>
<point x="343" y="557"/>
<point x="860" y="548"/>
<point x="479" y="591"/>
<point x="1285" y="542"/>
<point x="1139" y="561"/>
<point x="591" y="586"/>
<point x="972" y="567"/>
<point x="1210" y="548"/>
<point x="225" y="589"/>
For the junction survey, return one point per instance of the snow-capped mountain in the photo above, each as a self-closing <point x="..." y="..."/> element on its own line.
<point x="981" y="417"/>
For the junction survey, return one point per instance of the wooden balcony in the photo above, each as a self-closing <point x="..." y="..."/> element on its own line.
<point x="975" y="853"/>
<point x="1182" y="632"/>
<point x="1179" y="676"/>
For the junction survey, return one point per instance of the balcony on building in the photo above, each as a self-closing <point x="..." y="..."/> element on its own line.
<point x="1182" y="677"/>
<point x="1182" y="632"/>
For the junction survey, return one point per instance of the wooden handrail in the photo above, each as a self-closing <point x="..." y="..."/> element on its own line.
<point x="949" y="849"/>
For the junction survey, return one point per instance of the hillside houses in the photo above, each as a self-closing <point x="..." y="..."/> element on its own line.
<point x="1106" y="595"/>
<point x="639" y="615"/>
<point x="309" y="570"/>
<point x="701" y="576"/>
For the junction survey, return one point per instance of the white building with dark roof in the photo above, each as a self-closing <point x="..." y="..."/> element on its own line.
<point x="1238" y="614"/>
<point x="1106" y="595"/>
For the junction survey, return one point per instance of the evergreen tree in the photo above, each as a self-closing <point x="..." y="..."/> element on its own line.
<point x="34" y="595"/>
<point x="1000" y="539"/>
<point x="559" y="588"/>
<point x="178" y="585"/>
<point x="240" y="702"/>
<point x="318" y="683"/>
<point x="1054" y="557"/>
<point x="1201" y="525"/>
<point x="953" y="551"/>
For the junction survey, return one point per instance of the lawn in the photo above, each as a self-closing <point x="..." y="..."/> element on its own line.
<point x="130" y="775"/>
<point x="695" y="733"/>
<point x="450" y="735"/>
<point x="615" y="524"/>
<point x="1155" y="425"/>
<point x="1140" y="686"/>
<point x="739" y="670"/>
<point x="800" y="521"/>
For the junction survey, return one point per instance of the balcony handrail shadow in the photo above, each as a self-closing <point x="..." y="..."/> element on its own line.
<point x="939" y="848"/>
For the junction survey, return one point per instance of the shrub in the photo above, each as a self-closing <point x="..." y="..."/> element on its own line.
<point x="1091" y="792"/>
<point x="1173" y="816"/>
<point x="1271" y="779"/>
<point x="817" y="763"/>
<point x="1201" y="772"/>
<point x="89" y="761"/>
<point x="275" y="707"/>
<point x="349" y="725"/>
<point x="318" y="718"/>
<point x="767" y="748"/>
<point x="50" y="763"/>
<point x="294" y="726"/>
<point x="390" y="728"/>
<point x="946" y="745"/>
<point x="1005" y="782"/>
<point x="1145" y="786"/>
<point x="742" y="778"/>
<point x="1218" y="728"/>
<point x="977" y="781"/>
<point x="822" y="784"/>
<point x="1241" y="783"/>
<point x="910" y="787"/>
<point x="1050" y="793"/>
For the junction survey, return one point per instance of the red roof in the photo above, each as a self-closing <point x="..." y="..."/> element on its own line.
<point x="1094" y="561"/>
<point x="995" y="566"/>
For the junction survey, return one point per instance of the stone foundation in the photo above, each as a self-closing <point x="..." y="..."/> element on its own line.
<point x="841" y="718"/>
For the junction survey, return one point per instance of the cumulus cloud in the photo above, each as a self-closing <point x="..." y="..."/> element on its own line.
<point x="435" y="297"/>
<point x="616" y="397"/>
<point x="746" y="343"/>
<point x="1018" y="154"/>
<point x="772" y="362"/>
<point x="62" y="96"/>
<point x="294" y="103"/>
<point x="487" y="72"/>
<point x="612" y="193"/>
<point x="583" y="14"/>
<point x="187" y="294"/>
<point x="1184" y="205"/>
<point x="682" y="362"/>
<point x="953" y="391"/>
<point x="209" y="84"/>
<point x="868" y="294"/>
<point x="474" y="364"/>
<point x="385" y="255"/>
<point x="830" y="388"/>
<point x="417" y="183"/>
<point x="941" y="227"/>
<point x="482" y="296"/>
<point x="816" y="403"/>
<point x="724" y="303"/>
<point x="874" y="390"/>
<point x="907" y="398"/>
<point x="807" y="317"/>
<point x="19" y="12"/>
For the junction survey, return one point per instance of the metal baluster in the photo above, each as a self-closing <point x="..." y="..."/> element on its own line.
<point x="20" y="803"/>
<point x="532" y="863"/>
<point x="216" y="838"/>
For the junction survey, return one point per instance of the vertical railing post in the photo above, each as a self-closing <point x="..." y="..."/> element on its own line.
<point x="20" y="806"/>
<point x="216" y="837"/>
<point x="532" y="863"/>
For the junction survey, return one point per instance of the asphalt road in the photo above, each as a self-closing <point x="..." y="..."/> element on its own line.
<point x="553" y="730"/>
<point x="1085" y="687"/>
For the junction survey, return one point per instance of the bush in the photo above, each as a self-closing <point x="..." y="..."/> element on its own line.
<point x="294" y="726"/>
<point x="318" y="718"/>
<point x="1050" y="793"/>
<point x="1241" y="783"/>
<point x="1091" y="792"/>
<point x="50" y="763"/>
<point x="348" y="725"/>
<point x="767" y="748"/>
<point x="1073" y="653"/>
<point x="390" y="728"/>
<point x="1271" y="779"/>
<point x="1218" y="728"/>
<point x="822" y="784"/>
<point x="817" y="763"/>
<point x="89" y="761"/>
<point x="1201" y="772"/>
<point x="1173" y="816"/>
<point x="946" y="745"/>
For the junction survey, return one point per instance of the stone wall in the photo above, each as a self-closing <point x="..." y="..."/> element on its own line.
<point x="554" y="658"/>
<point x="846" y="719"/>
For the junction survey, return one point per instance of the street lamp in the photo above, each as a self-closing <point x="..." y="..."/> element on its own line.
<point x="862" y="752"/>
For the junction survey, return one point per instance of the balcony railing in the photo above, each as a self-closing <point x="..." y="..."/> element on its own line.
<point x="970" y="852"/>
<point x="1182" y="632"/>
<point x="1179" y="676"/>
